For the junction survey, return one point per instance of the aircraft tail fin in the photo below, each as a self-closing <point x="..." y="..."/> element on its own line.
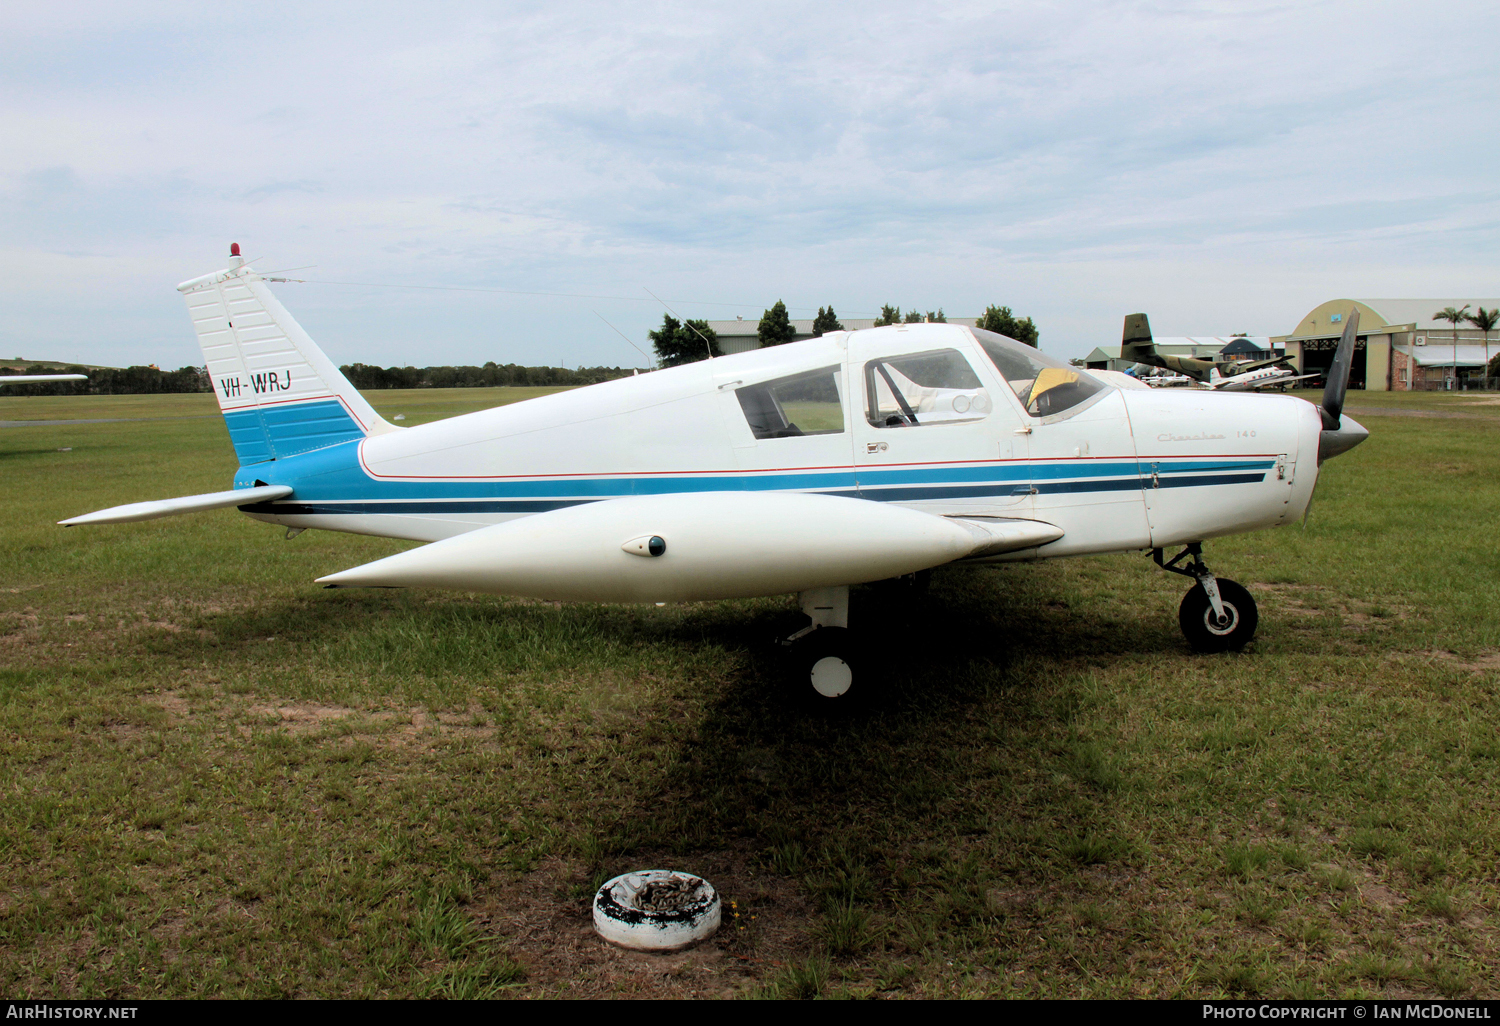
<point x="280" y="395"/>
<point x="1136" y="341"/>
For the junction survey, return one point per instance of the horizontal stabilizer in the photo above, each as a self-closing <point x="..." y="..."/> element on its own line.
<point x="680" y="547"/>
<point x="187" y="504"/>
<point x="994" y="535"/>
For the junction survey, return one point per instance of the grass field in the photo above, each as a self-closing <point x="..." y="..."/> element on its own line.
<point x="221" y="780"/>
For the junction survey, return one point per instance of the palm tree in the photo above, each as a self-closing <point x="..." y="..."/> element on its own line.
<point x="1485" y="321"/>
<point x="1447" y="313"/>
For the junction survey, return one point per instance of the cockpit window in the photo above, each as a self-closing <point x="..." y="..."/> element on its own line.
<point x="1044" y="385"/>
<point x="923" y="388"/>
<point x="810" y="403"/>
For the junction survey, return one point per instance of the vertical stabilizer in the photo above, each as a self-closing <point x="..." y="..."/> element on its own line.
<point x="280" y="395"/>
<point x="1135" y="342"/>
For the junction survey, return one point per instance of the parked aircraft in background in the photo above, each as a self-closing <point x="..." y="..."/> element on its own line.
<point x="1250" y="381"/>
<point x="804" y="468"/>
<point x="34" y="379"/>
<point x="1155" y="378"/>
<point x="1137" y="345"/>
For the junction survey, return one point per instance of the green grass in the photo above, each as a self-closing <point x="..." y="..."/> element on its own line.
<point x="221" y="780"/>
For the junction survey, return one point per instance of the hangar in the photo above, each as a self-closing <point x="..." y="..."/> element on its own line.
<point x="1400" y="345"/>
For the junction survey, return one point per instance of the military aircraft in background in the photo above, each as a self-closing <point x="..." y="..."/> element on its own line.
<point x="1138" y="345"/>
<point x="802" y="468"/>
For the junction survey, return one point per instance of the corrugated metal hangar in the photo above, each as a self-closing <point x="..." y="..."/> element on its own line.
<point x="1400" y="345"/>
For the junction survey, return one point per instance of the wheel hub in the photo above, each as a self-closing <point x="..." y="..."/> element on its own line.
<point x="1222" y="627"/>
<point x="831" y="676"/>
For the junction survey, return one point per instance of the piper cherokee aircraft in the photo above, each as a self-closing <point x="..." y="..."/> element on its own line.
<point x="805" y="468"/>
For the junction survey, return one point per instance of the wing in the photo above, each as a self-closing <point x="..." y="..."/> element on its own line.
<point x="694" y="546"/>
<point x="1241" y="366"/>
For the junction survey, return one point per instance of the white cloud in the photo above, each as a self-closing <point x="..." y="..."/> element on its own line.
<point x="1077" y="161"/>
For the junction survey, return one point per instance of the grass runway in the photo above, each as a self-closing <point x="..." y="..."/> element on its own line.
<point x="223" y="781"/>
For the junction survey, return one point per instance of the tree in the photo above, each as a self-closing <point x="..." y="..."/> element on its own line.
<point x="677" y="343"/>
<point x="775" y="326"/>
<point x="826" y="321"/>
<point x="888" y="315"/>
<point x="937" y="318"/>
<point x="913" y="317"/>
<point x="1447" y="313"/>
<point x="1485" y="321"/>
<point x="1001" y="321"/>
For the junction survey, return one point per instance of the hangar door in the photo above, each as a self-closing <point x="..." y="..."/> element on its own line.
<point x="1317" y="357"/>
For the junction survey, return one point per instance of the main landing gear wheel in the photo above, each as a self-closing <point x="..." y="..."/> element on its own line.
<point x="1207" y="632"/>
<point x="824" y="659"/>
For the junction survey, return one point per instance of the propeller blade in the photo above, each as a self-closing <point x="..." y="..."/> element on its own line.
<point x="1338" y="374"/>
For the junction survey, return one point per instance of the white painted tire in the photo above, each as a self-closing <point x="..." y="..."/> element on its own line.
<point x="619" y="919"/>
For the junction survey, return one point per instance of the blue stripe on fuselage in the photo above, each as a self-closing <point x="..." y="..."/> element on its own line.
<point x="332" y="481"/>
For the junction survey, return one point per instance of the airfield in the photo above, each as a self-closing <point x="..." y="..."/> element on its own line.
<point x="221" y="780"/>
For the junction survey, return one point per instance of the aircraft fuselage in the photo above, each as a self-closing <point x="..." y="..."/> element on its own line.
<point x="1119" y="470"/>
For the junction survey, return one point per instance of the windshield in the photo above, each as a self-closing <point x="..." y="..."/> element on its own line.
<point x="1043" y="384"/>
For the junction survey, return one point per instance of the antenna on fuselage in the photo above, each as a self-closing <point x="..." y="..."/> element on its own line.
<point x="700" y="334"/>
<point x="617" y="331"/>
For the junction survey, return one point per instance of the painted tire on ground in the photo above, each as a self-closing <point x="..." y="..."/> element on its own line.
<point x="656" y="910"/>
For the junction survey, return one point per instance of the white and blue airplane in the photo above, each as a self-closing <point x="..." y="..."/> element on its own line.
<point x="803" y="468"/>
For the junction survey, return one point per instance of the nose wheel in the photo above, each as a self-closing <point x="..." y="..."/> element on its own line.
<point x="1216" y="614"/>
<point x="1231" y="628"/>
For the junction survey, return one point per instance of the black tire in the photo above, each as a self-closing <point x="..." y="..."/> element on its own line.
<point x="1196" y="615"/>
<point x="824" y="667"/>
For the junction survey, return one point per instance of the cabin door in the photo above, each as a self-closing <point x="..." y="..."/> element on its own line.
<point x="931" y="427"/>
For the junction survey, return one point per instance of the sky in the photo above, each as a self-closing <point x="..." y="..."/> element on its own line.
<point x="1224" y="167"/>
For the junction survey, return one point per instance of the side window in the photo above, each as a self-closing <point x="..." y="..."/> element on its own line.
<point x="1045" y="386"/>
<point x="810" y="403"/>
<point x="923" y="388"/>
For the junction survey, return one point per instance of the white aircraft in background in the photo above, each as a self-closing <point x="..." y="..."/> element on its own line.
<point x="1158" y="379"/>
<point x="1251" y="380"/>
<point x="804" y="468"/>
<point x="34" y="379"/>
